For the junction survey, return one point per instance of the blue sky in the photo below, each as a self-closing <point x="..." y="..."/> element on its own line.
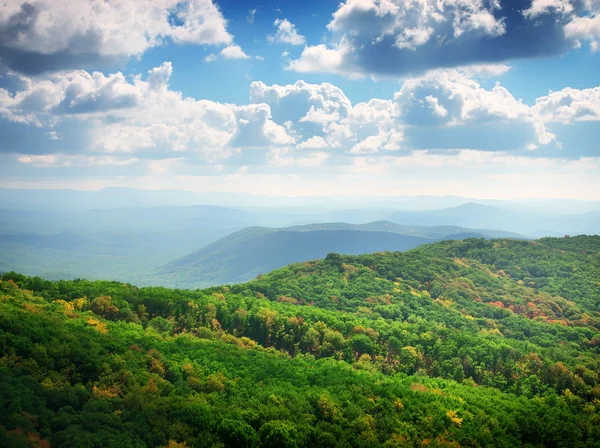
<point x="479" y="98"/>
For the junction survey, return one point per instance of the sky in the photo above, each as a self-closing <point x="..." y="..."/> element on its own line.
<point x="478" y="98"/>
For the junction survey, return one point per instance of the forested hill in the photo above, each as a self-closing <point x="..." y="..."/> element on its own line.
<point x="243" y="255"/>
<point x="231" y="261"/>
<point x="458" y="343"/>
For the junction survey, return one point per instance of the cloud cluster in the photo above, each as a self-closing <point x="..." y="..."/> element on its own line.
<point x="323" y="117"/>
<point x="450" y="99"/>
<point x="230" y="52"/>
<point x="399" y="37"/>
<point x="141" y="115"/>
<point x="286" y="33"/>
<point x="45" y="35"/>
<point x="569" y="105"/>
<point x="442" y="110"/>
<point x="76" y="118"/>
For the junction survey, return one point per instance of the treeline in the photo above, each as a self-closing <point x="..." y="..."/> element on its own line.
<point x="440" y="346"/>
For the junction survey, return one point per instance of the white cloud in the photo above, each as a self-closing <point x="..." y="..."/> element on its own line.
<point x="318" y="58"/>
<point x="449" y="98"/>
<point x="568" y="105"/>
<point x="231" y="52"/>
<point x="314" y="142"/>
<point x="463" y="97"/>
<point x="53" y="135"/>
<point x="374" y="143"/>
<point x="141" y="115"/>
<point x="256" y="129"/>
<point x="323" y="117"/>
<point x="413" y="23"/>
<point x="158" y="77"/>
<point x="407" y="37"/>
<point x="72" y="29"/>
<point x="234" y="52"/>
<point x="585" y="28"/>
<point x="436" y="108"/>
<point x="539" y="7"/>
<point x="325" y="97"/>
<point x="482" y="70"/>
<point x="76" y="92"/>
<point x="64" y="160"/>
<point x="286" y="33"/>
<point x="320" y="116"/>
<point x="119" y="121"/>
<point x="41" y="160"/>
<point x="251" y="15"/>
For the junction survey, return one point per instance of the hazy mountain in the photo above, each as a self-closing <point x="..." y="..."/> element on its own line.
<point x="77" y="200"/>
<point x="429" y="232"/>
<point x="99" y="255"/>
<point x="139" y="219"/>
<point x="244" y="254"/>
<point x="129" y="243"/>
<point x="486" y="216"/>
<point x="228" y="262"/>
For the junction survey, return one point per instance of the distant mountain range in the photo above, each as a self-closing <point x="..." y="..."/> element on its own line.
<point x="486" y="216"/>
<point x="116" y="197"/>
<point x="245" y="254"/>
<point x="129" y="243"/>
<point x="195" y="218"/>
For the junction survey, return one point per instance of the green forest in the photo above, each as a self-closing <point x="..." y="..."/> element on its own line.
<point x="469" y="343"/>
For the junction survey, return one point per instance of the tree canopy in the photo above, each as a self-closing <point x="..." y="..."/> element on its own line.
<point x="458" y="343"/>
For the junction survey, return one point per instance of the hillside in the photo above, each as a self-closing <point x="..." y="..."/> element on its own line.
<point x="457" y="343"/>
<point x="487" y="216"/>
<point x="130" y="243"/>
<point x="114" y="255"/>
<point x="245" y="254"/>
<point x="429" y="232"/>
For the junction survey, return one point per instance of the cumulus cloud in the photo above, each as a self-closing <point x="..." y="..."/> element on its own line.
<point x="294" y="101"/>
<point x="75" y="92"/>
<point x="386" y="140"/>
<point x="569" y="105"/>
<point x="43" y="35"/>
<point x="230" y="52"/>
<point x="585" y="28"/>
<point x="449" y="98"/>
<point x="323" y="117"/>
<point x="77" y="118"/>
<point x="234" y="52"/>
<point x="318" y="110"/>
<point x="286" y="33"/>
<point x="398" y="37"/>
<point x="255" y="128"/>
<point x="121" y="116"/>
<point x="319" y="58"/>
<point x="444" y="110"/>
